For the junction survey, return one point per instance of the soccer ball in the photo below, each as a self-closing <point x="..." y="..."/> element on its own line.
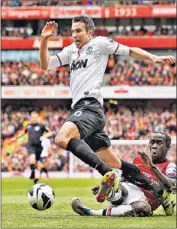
<point x="41" y="196"/>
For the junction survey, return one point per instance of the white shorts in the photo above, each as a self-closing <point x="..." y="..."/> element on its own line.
<point x="134" y="194"/>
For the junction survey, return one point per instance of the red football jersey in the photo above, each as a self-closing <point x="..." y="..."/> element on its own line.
<point x="168" y="168"/>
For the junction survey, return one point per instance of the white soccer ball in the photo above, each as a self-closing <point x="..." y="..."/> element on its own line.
<point x="41" y="196"/>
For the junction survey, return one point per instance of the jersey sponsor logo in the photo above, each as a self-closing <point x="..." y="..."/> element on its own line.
<point x="79" y="64"/>
<point x="78" y="113"/>
<point x="89" y="50"/>
<point x="148" y="175"/>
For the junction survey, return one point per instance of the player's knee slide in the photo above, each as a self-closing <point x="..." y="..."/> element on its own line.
<point x="141" y="208"/>
<point x="32" y="166"/>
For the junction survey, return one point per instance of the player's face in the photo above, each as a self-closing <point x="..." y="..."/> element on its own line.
<point x="79" y="33"/>
<point x="34" y="118"/>
<point x="158" y="147"/>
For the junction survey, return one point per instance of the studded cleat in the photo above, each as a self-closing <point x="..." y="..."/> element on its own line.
<point x="79" y="207"/>
<point x="107" y="182"/>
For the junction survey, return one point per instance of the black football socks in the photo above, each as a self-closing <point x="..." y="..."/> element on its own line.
<point x="81" y="150"/>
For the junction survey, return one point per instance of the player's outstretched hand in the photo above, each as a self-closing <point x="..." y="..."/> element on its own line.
<point x="49" y="29"/>
<point x="164" y="59"/>
<point x="147" y="160"/>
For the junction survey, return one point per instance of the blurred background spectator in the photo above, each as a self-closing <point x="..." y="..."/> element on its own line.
<point x="156" y="27"/>
<point x="126" y="120"/>
<point x="118" y="72"/>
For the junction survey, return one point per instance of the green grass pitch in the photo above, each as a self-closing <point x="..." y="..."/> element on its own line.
<point x="17" y="213"/>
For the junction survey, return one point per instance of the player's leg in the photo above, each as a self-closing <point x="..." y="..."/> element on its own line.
<point x="130" y="194"/>
<point x="40" y="166"/>
<point x="132" y="174"/>
<point x="38" y="151"/>
<point x="32" y="160"/>
<point x="82" y="123"/>
<point x="100" y="143"/>
<point x="43" y="166"/>
<point x="80" y="208"/>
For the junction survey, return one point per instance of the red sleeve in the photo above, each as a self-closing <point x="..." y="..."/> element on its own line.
<point x="137" y="160"/>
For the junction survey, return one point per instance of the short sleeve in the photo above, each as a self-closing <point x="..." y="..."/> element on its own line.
<point x="171" y="170"/>
<point x="61" y="58"/>
<point x="109" y="46"/>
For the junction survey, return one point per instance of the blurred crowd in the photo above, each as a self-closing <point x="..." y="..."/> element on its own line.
<point x="118" y="72"/>
<point x="16" y="3"/>
<point x="65" y="31"/>
<point x="137" y="72"/>
<point x="29" y="73"/>
<point x="19" y="160"/>
<point x="123" y="123"/>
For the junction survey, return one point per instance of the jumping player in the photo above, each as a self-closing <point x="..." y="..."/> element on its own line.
<point x="87" y="57"/>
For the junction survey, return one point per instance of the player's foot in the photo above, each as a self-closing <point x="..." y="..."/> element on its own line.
<point x="36" y="180"/>
<point x="79" y="207"/>
<point x="32" y="174"/>
<point x="107" y="182"/>
<point x="168" y="205"/>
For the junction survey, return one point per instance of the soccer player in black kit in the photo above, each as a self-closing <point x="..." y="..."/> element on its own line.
<point x="88" y="57"/>
<point x="35" y="131"/>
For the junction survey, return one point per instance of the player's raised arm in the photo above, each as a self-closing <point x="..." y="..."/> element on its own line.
<point x="47" y="32"/>
<point x="169" y="184"/>
<point x="139" y="53"/>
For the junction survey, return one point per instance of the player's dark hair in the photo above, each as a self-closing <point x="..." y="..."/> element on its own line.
<point x="89" y="23"/>
<point x="168" y="140"/>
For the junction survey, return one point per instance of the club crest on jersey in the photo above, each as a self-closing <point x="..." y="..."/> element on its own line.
<point x="37" y="128"/>
<point x="78" y="64"/>
<point x="89" y="50"/>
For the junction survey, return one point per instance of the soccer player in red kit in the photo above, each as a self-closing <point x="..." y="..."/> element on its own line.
<point x="131" y="200"/>
<point x="159" y="144"/>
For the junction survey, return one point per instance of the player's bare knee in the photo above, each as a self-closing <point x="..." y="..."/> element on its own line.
<point x="61" y="141"/>
<point x="141" y="208"/>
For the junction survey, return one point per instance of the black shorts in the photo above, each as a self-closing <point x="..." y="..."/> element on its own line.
<point x="36" y="150"/>
<point x="89" y="117"/>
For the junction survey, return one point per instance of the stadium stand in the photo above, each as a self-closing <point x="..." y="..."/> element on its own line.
<point x="127" y="119"/>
